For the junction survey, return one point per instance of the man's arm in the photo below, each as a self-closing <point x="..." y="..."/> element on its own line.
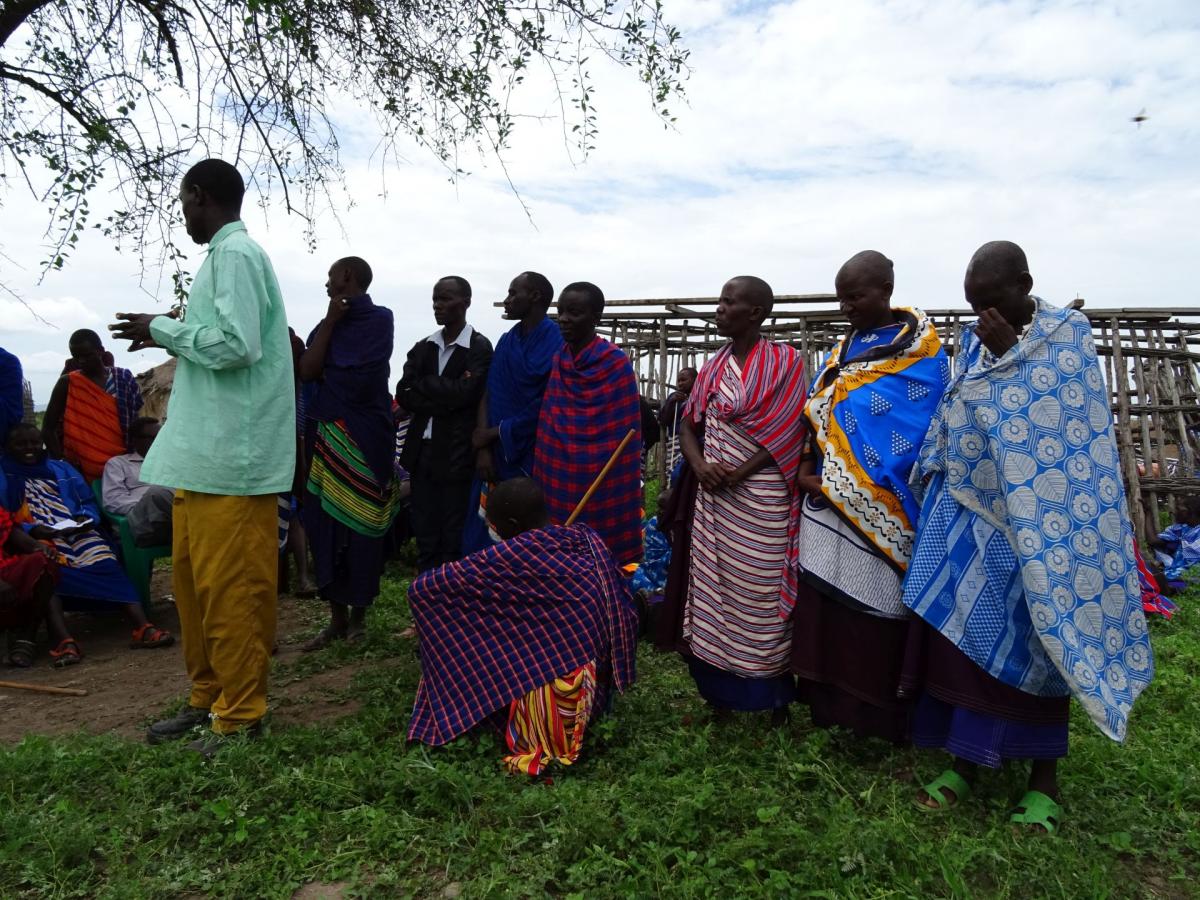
<point x="234" y="339"/>
<point x="115" y="486"/>
<point x="52" y="420"/>
<point x="449" y="394"/>
<point x="408" y="394"/>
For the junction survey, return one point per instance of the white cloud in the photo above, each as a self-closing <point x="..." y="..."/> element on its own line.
<point x="43" y="362"/>
<point x="36" y="314"/>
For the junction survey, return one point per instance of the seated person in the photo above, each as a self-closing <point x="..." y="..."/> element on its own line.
<point x="536" y="628"/>
<point x="58" y="507"/>
<point x="1178" y="547"/>
<point x="27" y="578"/>
<point x="650" y="578"/>
<point x="147" y="507"/>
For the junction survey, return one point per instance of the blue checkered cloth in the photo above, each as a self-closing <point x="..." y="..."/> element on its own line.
<point x="511" y="618"/>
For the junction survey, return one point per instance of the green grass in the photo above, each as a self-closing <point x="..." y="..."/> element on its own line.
<point x="656" y="808"/>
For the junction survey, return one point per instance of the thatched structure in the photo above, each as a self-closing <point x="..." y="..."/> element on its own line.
<point x="1150" y="361"/>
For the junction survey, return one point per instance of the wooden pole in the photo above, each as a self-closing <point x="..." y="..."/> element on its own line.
<point x="612" y="460"/>
<point x="43" y="689"/>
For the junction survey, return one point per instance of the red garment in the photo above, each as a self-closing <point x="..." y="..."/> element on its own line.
<point x="92" y="432"/>
<point x="22" y="572"/>
<point x="591" y="403"/>
<point x="769" y="410"/>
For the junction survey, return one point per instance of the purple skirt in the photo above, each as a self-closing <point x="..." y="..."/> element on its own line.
<point x="974" y="716"/>
<point x="848" y="663"/>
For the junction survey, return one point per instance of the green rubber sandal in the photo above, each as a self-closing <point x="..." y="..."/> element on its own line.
<point x="1039" y="809"/>
<point x="948" y="780"/>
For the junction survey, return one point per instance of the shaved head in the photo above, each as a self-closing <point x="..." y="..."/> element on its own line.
<point x="870" y="267"/>
<point x="516" y="506"/>
<point x="998" y="278"/>
<point x="757" y="291"/>
<point x="1001" y="261"/>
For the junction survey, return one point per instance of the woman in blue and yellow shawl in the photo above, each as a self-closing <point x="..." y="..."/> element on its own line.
<point x="349" y="434"/>
<point x="868" y="410"/>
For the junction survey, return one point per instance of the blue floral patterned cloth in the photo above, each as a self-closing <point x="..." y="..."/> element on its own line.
<point x="1024" y="556"/>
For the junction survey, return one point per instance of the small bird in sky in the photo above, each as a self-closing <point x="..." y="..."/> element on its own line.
<point x="1140" y="118"/>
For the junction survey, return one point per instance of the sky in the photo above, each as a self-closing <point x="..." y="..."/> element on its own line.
<point x="812" y="130"/>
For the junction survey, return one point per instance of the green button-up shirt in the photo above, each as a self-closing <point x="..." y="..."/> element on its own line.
<point x="231" y="421"/>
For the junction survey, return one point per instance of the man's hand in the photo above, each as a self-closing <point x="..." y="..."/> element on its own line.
<point x="338" y="307"/>
<point x="135" y="328"/>
<point x="810" y="484"/>
<point x="483" y="438"/>
<point x="485" y="467"/>
<point x="995" y="332"/>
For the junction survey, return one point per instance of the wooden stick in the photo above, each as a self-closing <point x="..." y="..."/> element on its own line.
<point x="43" y="689"/>
<point x="612" y="460"/>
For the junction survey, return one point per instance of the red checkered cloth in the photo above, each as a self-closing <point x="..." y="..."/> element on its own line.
<point x="508" y="619"/>
<point x="590" y="404"/>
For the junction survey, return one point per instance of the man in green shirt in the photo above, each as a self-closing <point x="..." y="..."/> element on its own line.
<point x="228" y="449"/>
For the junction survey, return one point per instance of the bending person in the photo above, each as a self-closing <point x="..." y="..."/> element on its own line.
<point x="536" y="629"/>
<point x="867" y="412"/>
<point x="1024" y="571"/>
<point x="741" y="434"/>
<point x="350" y="439"/>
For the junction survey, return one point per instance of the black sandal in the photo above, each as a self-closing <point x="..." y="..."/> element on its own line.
<point x="20" y="654"/>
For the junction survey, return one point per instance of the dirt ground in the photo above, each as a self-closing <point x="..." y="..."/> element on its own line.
<point x="128" y="688"/>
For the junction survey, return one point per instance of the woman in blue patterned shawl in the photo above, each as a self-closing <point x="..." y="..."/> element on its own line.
<point x="868" y="410"/>
<point x="1024" y="570"/>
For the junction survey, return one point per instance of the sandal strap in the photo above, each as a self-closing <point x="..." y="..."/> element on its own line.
<point x="67" y="647"/>
<point x="148" y="633"/>
<point x="948" y="780"/>
<point x="1039" y="809"/>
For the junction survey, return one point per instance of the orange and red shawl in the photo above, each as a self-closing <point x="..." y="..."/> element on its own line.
<point x="92" y="433"/>
<point x="768" y="409"/>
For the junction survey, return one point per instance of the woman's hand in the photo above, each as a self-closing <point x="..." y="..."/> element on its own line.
<point x="809" y="484"/>
<point x="713" y="476"/>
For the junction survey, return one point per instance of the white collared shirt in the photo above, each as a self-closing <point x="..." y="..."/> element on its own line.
<point x="445" y="351"/>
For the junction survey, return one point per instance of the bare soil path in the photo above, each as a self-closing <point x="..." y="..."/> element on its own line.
<point x="129" y="688"/>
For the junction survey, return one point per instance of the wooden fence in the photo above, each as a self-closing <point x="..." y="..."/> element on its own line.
<point x="1149" y="356"/>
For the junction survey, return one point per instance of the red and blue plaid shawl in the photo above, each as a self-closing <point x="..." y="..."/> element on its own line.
<point x="590" y="403"/>
<point x="513" y="617"/>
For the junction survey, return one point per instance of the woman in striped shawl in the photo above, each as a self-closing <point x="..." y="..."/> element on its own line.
<point x="349" y="435"/>
<point x="747" y="402"/>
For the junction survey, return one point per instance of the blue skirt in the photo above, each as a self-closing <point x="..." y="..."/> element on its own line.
<point x="728" y="691"/>
<point x="95" y="588"/>
<point x="981" y="738"/>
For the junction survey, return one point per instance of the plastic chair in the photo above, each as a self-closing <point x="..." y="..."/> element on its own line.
<point x="138" y="561"/>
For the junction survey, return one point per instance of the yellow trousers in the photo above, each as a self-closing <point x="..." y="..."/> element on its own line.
<point x="225" y="555"/>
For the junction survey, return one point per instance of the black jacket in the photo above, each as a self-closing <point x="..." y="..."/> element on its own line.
<point x="450" y="399"/>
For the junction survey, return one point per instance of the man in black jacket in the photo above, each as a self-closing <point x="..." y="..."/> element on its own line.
<point x="444" y="377"/>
